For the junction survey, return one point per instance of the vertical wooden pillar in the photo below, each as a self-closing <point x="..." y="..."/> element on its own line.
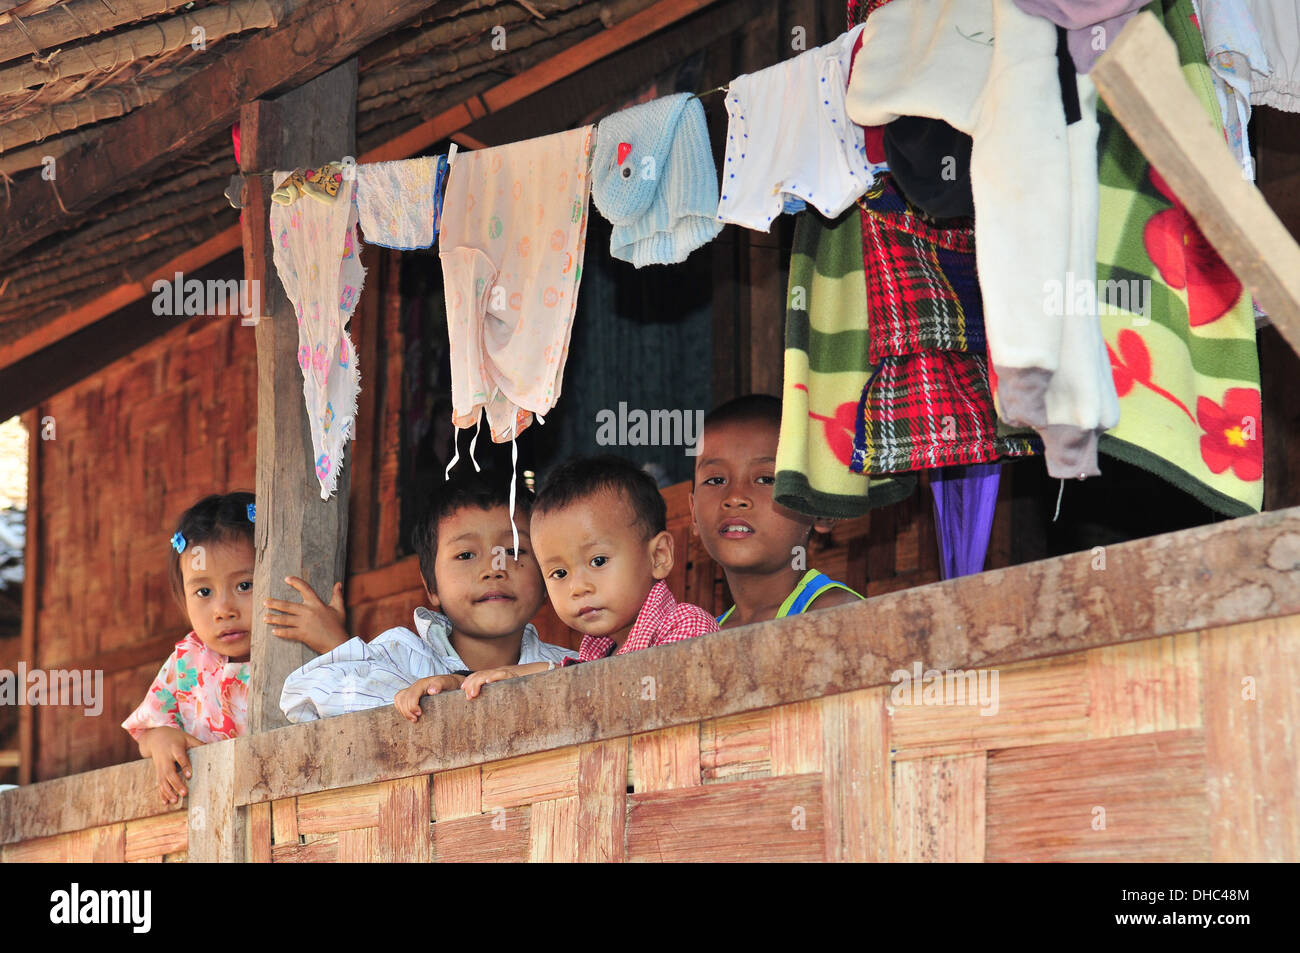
<point x="298" y="533"/>
<point x="31" y="602"/>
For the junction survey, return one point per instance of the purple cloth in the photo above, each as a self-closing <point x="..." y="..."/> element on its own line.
<point x="964" y="501"/>
<point x="1080" y="17"/>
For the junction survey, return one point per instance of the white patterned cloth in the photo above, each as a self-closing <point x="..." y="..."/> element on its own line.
<point x="359" y="675"/>
<point x="317" y="258"/>
<point x="399" y="203"/>
<point x="1237" y="59"/>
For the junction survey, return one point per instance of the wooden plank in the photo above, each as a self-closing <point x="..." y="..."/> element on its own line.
<point x="31" y="590"/>
<point x="284" y="821"/>
<point x="1048" y="802"/>
<point x="217" y="829"/>
<point x="552" y="835"/>
<point x="1251" y="712"/>
<point x="797" y="739"/>
<point x="404" y="822"/>
<point x="123" y="792"/>
<point x="298" y="533"/>
<point x="736" y="747"/>
<point x="602" y="801"/>
<point x="772" y="819"/>
<point x="668" y="759"/>
<point x="358" y="846"/>
<point x="457" y="793"/>
<point x="389" y="436"/>
<point x="343" y="809"/>
<point x="1146" y="686"/>
<point x="533" y="778"/>
<point x="323" y="851"/>
<point x="499" y="837"/>
<point x="858" y="788"/>
<point x="395" y="579"/>
<point x="1033" y="703"/>
<point x="939" y="810"/>
<point x="259" y="833"/>
<point x="1142" y="83"/>
<point x="156" y="836"/>
<point x="1232" y="571"/>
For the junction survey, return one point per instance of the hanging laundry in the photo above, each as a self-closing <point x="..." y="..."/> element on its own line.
<point x="321" y="184"/>
<point x="790" y="117"/>
<point x="826" y="367"/>
<point x="514" y="228"/>
<point x="930" y="163"/>
<point x="1278" y="26"/>
<point x="1237" y="59"/>
<point x="1033" y="184"/>
<point x="928" y="402"/>
<point x="399" y="203"/>
<point x="316" y="256"/>
<point x="1093" y="25"/>
<point x="653" y="177"/>
<point x="1181" y="341"/>
<point x="965" y="500"/>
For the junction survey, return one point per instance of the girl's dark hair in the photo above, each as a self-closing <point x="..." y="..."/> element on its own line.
<point x="213" y="519"/>
<point x="579" y="479"/>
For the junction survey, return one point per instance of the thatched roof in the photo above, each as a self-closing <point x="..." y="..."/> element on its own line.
<point x="74" y="75"/>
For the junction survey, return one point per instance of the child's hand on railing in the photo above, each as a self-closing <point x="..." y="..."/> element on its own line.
<point x="319" y="626"/>
<point x="408" y="699"/>
<point x="475" y="681"/>
<point x="167" y="747"/>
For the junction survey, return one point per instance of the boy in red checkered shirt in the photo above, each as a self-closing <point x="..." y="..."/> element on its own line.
<point x="599" y="533"/>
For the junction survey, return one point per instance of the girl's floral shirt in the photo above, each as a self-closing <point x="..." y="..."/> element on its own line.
<point x="197" y="690"/>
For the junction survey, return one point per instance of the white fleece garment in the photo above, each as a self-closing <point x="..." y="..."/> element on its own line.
<point x="1035" y="195"/>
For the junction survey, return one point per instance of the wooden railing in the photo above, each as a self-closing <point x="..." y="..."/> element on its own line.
<point x="1146" y="709"/>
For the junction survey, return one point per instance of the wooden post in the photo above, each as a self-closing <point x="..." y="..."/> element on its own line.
<point x="31" y="602"/>
<point x="298" y="533"/>
<point x="1141" y="81"/>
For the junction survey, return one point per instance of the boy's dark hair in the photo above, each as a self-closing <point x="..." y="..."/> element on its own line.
<point x="480" y="490"/>
<point x="219" y="518"/>
<point x="581" y="478"/>
<point x="747" y="408"/>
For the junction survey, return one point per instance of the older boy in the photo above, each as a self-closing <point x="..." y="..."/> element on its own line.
<point x="481" y="594"/>
<point x="599" y="530"/>
<point x="755" y="541"/>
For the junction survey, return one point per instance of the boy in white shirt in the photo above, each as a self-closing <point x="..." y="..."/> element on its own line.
<point x="481" y="594"/>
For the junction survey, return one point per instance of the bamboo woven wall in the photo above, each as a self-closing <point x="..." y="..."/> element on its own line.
<point x="1157" y="734"/>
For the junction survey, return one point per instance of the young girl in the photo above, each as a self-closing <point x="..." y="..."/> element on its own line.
<point x="201" y="692"/>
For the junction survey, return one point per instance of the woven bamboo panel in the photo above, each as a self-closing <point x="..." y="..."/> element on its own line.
<point x="501" y="836"/>
<point x="1035" y="704"/>
<point x="532" y="778"/>
<point x="736" y="748"/>
<point x="344" y="809"/>
<point x="155" y="836"/>
<point x="773" y="819"/>
<point x="95" y="845"/>
<point x="1250" y="675"/>
<point x="939" y="809"/>
<point x="1140" y="797"/>
<point x="667" y="759"/>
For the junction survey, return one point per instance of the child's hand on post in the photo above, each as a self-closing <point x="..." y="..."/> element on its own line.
<point x="318" y="626"/>
<point x="475" y="681"/>
<point x="167" y="747"/>
<point x="408" y="699"/>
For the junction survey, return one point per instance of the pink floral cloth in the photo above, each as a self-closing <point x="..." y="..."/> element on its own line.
<point x="316" y="253"/>
<point x="197" y="690"/>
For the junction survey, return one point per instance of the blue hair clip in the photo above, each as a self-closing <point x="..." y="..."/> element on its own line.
<point x="252" y="512"/>
<point x="178" y="542"/>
